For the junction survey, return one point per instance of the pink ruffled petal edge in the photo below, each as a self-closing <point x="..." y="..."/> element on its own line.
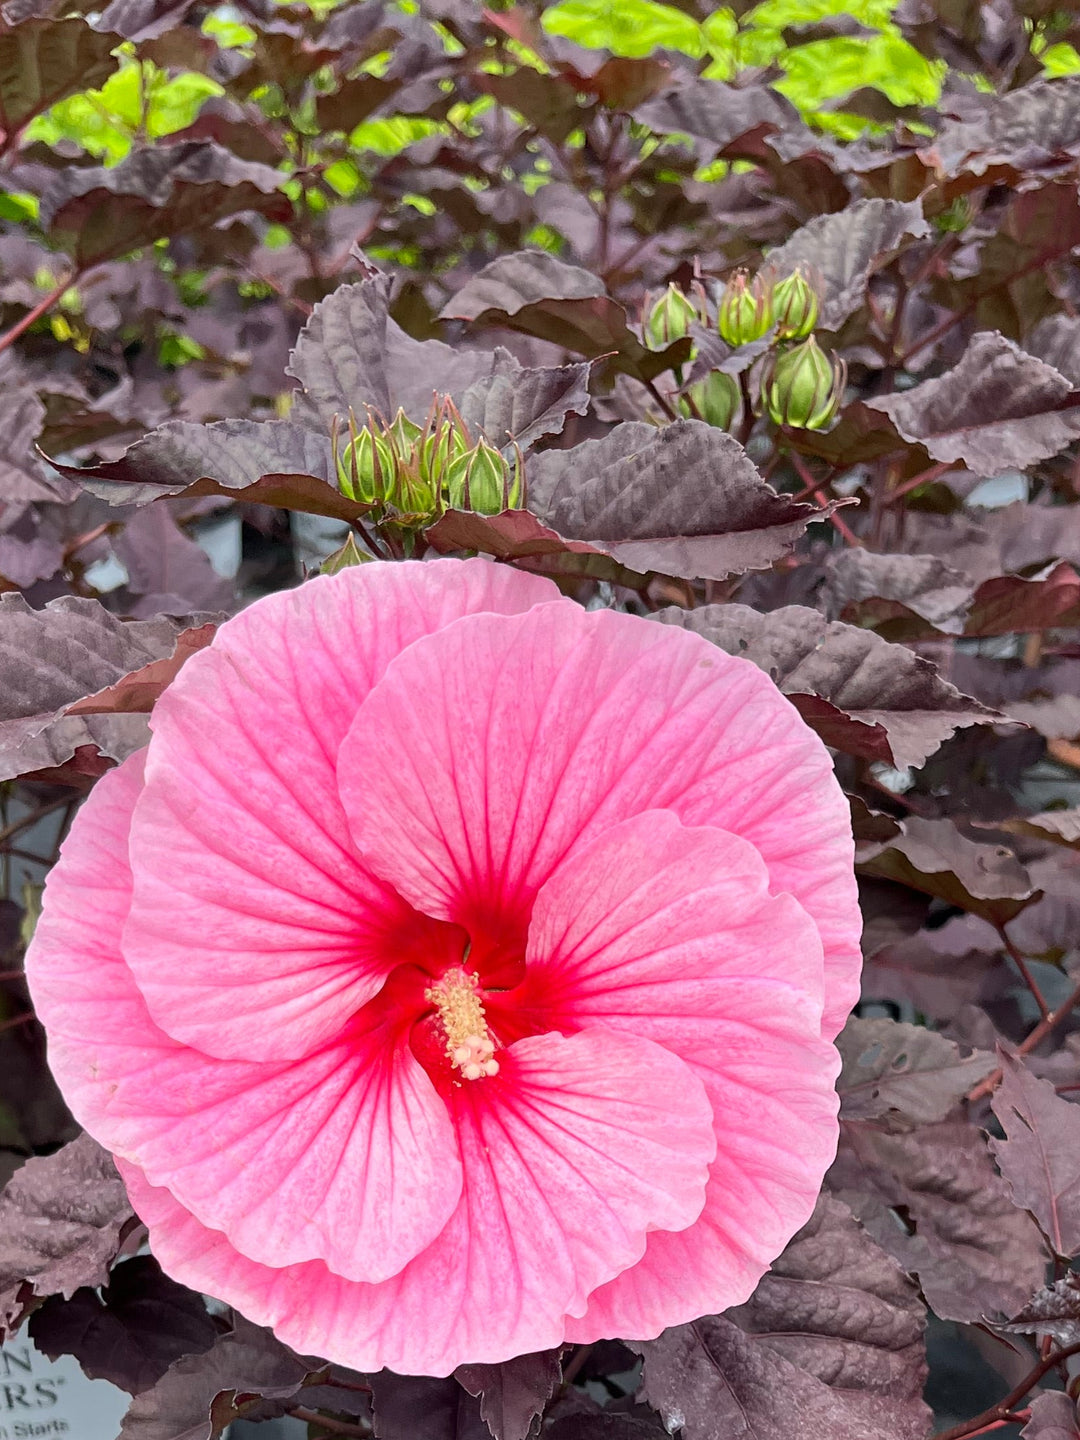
<point x="255" y="927"/>
<point x="571" y="1154"/>
<point x="348" y="1156"/>
<point x="541" y="730"/>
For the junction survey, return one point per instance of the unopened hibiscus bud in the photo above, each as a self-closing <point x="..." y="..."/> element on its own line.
<point x="346" y="555"/>
<point x="746" y="309"/>
<point x="445" y="438"/>
<point x="804" y="386"/>
<point x="367" y="465"/>
<point x="403" y="433"/>
<point x="795" y="306"/>
<point x="484" y="481"/>
<point x="670" y="318"/>
<point x="716" y="400"/>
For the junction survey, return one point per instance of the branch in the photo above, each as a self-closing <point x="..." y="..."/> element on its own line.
<point x="1004" y="1410"/>
<point x="336" y="1427"/>
<point x="36" y="313"/>
<point x="1039" y="1034"/>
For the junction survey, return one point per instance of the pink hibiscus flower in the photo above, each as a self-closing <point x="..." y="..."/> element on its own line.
<point x="456" y="971"/>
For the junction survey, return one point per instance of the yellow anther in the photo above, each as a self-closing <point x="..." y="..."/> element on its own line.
<point x="461" y="1011"/>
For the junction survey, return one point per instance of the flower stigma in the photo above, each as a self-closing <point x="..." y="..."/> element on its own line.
<point x="461" y="1011"/>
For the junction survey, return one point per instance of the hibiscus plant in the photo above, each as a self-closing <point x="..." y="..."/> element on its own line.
<point x="540" y="715"/>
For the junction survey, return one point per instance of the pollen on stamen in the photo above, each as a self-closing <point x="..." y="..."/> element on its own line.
<point x="469" y="1044"/>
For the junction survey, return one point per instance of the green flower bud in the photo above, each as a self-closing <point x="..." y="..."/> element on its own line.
<point x="804" y="387"/>
<point x="746" y="309"/>
<point x="348" y="554"/>
<point x="795" y="306"/>
<point x="444" y="439"/>
<point x="483" y="481"/>
<point x="956" y="216"/>
<point x="670" y="318"/>
<point x="716" y="400"/>
<point x="367" y="466"/>
<point x="403" y="432"/>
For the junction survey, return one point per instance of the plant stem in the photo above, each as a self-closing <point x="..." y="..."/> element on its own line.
<point x="1022" y="965"/>
<point x="336" y="1427"/>
<point x="1044" y="1027"/>
<point x="1004" y="1410"/>
<point x="9" y="831"/>
<point x="36" y="313"/>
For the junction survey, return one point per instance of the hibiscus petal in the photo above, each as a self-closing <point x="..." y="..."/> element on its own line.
<point x="348" y="1155"/>
<point x="668" y="932"/>
<point x="255" y="928"/>
<point x="571" y="1154"/>
<point x="538" y="730"/>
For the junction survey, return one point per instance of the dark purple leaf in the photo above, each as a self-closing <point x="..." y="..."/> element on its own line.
<point x="43" y="61"/>
<point x="74" y="659"/>
<point x="730" y="120"/>
<point x="937" y="971"/>
<point x="524" y="405"/>
<point x="23" y="477"/>
<point x="1036" y="127"/>
<point x="974" y="1252"/>
<point x="683" y="500"/>
<point x="1053" y="1417"/>
<point x="409" y="1406"/>
<point x="894" y="594"/>
<point x="1040" y="1155"/>
<point x="144" y="20"/>
<point x="998" y="408"/>
<point x="199" y="1395"/>
<point x="903" y="1075"/>
<point x="862" y="695"/>
<point x="540" y="295"/>
<point x="838" y="1307"/>
<point x="132" y="1332"/>
<point x="271" y="462"/>
<point x="1009" y="603"/>
<point x="62" y="1218"/>
<point x="829" y="1344"/>
<point x="933" y="856"/>
<point x="168" y="572"/>
<point x="158" y="193"/>
<point x="514" y="1393"/>
<point x="351" y="354"/>
<point x="605" y="1425"/>
<point x="1054" y="1311"/>
<point x="843" y="250"/>
<point x="1060" y="826"/>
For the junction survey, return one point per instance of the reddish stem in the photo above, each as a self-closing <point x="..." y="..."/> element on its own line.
<point x="36" y="313"/>
<point x="1003" y="1412"/>
<point x="336" y="1427"/>
<point x="16" y="1021"/>
<point x="1044" y="1027"/>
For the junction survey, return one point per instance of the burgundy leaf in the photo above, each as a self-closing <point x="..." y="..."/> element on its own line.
<point x="842" y="251"/>
<point x="43" y="61"/>
<point x="731" y="120"/>
<point x="543" y="296"/>
<point x="271" y="462"/>
<point x="998" y="408"/>
<point x="1054" y="1311"/>
<point x="23" y="477"/>
<point x="1036" y="127"/>
<point x="514" y="1393"/>
<point x="829" y="1344"/>
<point x="63" y="1218"/>
<point x="74" y="659"/>
<point x="974" y="1252"/>
<point x="683" y="500"/>
<point x="408" y="1406"/>
<point x="1040" y="1155"/>
<point x="159" y="193"/>
<point x="1053" y="1417"/>
<point x="168" y="572"/>
<point x="199" y="1395"/>
<point x="903" y="1075"/>
<point x="862" y="695"/>
<point x="132" y="1332"/>
<point x="901" y="596"/>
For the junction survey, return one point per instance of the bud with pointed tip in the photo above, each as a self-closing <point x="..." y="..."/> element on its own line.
<point x="444" y="439"/>
<point x="745" y="312"/>
<point x="803" y="387"/>
<point x="795" y="305"/>
<point x="670" y="318"/>
<point x="715" y="399"/>
<point x="346" y="555"/>
<point x="366" y="467"/>
<point x="403" y="432"/>
<point x="477" y="480"/>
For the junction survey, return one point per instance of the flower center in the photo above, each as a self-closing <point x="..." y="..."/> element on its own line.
<point x="461" y="1012"/>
